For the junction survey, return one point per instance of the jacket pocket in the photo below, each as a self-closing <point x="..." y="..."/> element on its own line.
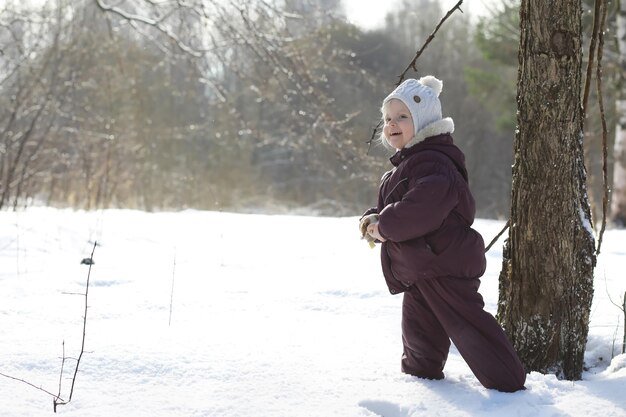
<point x="464" y="257"/>
<point x="411" y="260"/>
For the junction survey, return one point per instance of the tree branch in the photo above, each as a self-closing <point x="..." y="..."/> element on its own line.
<point x="605" y="180"/>
<point x="592" y="52"/>
<point x="413" y="63"/>
<point x="495" y="239"/>
<point x="131" y="17"/>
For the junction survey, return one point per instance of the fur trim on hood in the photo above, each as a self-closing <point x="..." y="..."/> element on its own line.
<point x="439" y="127"/>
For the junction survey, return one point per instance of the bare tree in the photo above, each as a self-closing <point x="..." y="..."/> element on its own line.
<point x="28" y="93"/>
<point x="212" y="104"/>
<point x="546" y="283"/>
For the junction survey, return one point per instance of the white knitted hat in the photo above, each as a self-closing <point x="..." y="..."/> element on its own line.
<point x="422" y="98"/>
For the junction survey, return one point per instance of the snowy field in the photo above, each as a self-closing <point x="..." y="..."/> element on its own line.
<point x="269" y="316"/>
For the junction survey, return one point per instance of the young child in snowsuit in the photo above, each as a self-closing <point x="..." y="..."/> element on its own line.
<point x="429" y="250"/>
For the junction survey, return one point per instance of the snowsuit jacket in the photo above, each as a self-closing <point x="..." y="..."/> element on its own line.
<point x="425" y="214"/>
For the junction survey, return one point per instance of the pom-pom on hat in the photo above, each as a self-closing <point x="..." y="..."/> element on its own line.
<point x="422" y="99"/>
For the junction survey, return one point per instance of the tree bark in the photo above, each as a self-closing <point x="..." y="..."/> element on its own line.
<point x="546" y="283"/>
<point x="618" y="201"/>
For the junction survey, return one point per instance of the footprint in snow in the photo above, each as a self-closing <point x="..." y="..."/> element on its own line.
<point x="385" y="408"/>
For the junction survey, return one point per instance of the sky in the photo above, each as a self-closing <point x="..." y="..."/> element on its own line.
<point x="370" y="14"/>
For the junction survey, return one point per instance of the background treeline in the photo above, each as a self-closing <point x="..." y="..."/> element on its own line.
<point x="242" y="105"/>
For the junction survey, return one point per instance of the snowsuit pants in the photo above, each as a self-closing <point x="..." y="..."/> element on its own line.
<point x="437" y="310"/>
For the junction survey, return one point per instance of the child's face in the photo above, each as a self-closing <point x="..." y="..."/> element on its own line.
<point x="398" y="129"/>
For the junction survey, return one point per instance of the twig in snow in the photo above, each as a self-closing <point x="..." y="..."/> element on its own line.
<point x="622" y="308"/>
<point x="172" y="291"/>
<point x="28" y="383"/>
<point x="624" y="311"/>
<point x="58" y="401"/>
<point x="58" y="397"/>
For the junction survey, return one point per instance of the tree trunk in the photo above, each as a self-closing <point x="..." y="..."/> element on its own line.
<point x="546" y="283"/>
<point x="618" y="200"/>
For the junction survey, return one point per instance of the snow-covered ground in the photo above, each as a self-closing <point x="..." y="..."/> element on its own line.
<point x="269" y="316"/>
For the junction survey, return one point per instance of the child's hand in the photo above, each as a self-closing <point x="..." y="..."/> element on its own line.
<point x="365" y="221"/>
<point x="372" y="230"/>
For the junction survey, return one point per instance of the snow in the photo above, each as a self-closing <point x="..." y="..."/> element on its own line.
<point x="270" y="316"/>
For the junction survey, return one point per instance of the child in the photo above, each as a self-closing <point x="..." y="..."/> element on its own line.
<point x="429" y="250"/>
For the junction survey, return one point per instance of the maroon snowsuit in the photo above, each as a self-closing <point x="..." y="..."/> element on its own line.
<point x="435" y="258"/>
